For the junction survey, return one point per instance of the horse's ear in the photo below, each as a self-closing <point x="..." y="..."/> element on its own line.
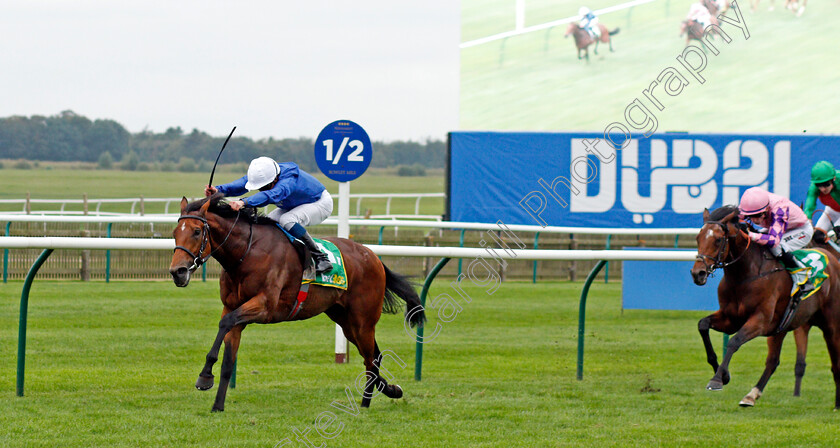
<point x="706" y="214"/>
<point x="184" y="203"/>
<point x="732" y="216"/>
<point x="204" y="208"/>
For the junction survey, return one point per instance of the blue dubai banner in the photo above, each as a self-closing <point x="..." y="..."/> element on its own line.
<point x="581" y="180"/>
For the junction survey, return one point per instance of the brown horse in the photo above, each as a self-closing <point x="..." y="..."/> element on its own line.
<point x="692" y="30"/>
<point x="583" y="39"/>
<point x="261" y="279"/>
<point x="753" y="296"/>
<point x="800" y="335"/>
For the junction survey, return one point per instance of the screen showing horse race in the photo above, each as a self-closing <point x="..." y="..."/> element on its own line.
<point x="523" y="67"/>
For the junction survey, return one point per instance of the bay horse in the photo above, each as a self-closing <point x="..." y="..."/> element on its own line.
<point x="800" y="335"/>
<point x="261" y="278"/>
<point x="753" y="296"/>
<point x="583" y="39"/>
<point x="692" y="30"/>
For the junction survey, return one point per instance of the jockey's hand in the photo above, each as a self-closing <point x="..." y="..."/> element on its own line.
<point x="236" y="205"/>
<point x="742" y="226"/>
<point x="210" y="190"/>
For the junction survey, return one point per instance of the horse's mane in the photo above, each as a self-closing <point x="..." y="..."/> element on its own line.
<point x="220" y="207"/>
<point x="722" y="212"/>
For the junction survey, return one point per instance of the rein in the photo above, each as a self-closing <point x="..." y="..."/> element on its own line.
<point x="198" y="260"/>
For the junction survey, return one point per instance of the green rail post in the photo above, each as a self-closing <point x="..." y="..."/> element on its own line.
<point x="108" y="257"/>
<point x="381" y="229"/>
<point x="607" y="272"/>
<point x="676" y="241"/>
<point x="6" y="256"/>
<point x="24" y="310"/>
<point x="582" y="314"/>
<point x="204" y="272"/>
<point x="461" y="244"/>
<point x="418" y="350"/>
<point x="725" y="342"/>
<point x="536" y="246"/>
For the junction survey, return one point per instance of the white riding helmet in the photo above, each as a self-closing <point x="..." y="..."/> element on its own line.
<point x="261" y="172"/>
<point x="583" y="11"/>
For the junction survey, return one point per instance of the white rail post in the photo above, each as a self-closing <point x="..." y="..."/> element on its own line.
<point x="343" y="232"/>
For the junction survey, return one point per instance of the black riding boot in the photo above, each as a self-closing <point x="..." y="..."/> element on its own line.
<point x="790" y="262"/>
<point x="322" y="262"/>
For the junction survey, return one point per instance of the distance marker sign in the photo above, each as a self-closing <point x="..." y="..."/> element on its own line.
<point x="343" y="151"/>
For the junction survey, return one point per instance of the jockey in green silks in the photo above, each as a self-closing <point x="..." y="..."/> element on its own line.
<point x="825" y="185"/>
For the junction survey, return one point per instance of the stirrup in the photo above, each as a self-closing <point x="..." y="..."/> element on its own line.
<point x="322" y="263"/>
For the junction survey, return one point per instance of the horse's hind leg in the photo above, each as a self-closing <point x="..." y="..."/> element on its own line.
<point x="801" y="337"/>
<point x="774" y="348"/>
<point x="390" y="390"/>
<point x="832" y="341"/>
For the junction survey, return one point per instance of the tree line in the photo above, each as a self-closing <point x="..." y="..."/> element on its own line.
<point x="68" y="136"/>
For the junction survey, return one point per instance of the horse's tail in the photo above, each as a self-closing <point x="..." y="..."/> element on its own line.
<point x="615" y="31"/>
<point x="397" y="285"/>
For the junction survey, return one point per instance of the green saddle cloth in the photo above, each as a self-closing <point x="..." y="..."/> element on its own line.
<point x="335" y="278"/>
<point x="816" y="262"/>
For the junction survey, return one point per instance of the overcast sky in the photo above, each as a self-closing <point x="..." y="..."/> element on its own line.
<point x="272" y="68"/>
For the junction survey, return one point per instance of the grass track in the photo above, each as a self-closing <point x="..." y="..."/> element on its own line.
<point x="114" y="365"/>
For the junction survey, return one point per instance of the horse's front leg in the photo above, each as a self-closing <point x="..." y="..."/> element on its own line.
<point x="774" y="348"/>
<point x="718" y="322"/>
<point x="752" y="328"/>
<point x="228" y="363"/>
<point x="596" y="45"/>
<point x="205" y="378"/>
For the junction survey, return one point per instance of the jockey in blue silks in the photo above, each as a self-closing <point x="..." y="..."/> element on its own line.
<point x="589" y="22"/>
<point x="301" y="200"/>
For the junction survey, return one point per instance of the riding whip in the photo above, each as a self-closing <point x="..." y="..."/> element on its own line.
<point x="220" y="154"/>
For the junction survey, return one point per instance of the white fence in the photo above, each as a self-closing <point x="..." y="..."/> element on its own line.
<point x="23" y="242"/>
<point x="172" y="219"/>
<point x="94" y="206"/>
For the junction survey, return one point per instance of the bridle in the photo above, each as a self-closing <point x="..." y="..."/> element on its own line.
<point x="717" y="260"/>
<point x="198" y="260"/>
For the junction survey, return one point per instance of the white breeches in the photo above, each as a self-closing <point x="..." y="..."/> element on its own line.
<point x="306" y="215"/>
<point x="794" y="240"/>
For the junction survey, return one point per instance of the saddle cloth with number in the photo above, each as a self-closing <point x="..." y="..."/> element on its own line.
<point x="816" y="261"/>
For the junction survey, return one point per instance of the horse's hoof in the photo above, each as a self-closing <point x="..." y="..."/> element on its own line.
<point x="725" y="377"/>
<point x="204" y="383"/>
<point x="393" y="391"/>
<point x="217" y="409"/>
<point x="714" y="385"/>
<point x="747" y="402"/>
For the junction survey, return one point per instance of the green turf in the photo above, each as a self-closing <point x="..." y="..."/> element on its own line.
<point x="114" y="365"/>
<point x="43" y="183"/>
<point x="782" y="79"/>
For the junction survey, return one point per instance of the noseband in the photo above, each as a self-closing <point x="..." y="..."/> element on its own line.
<point x="198" y="260"/>
<point x="717" y="260"/>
